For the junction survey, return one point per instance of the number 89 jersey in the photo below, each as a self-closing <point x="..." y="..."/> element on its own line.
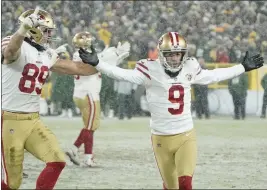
<point x="169" y="99"/>
<point x="22" y="79"/>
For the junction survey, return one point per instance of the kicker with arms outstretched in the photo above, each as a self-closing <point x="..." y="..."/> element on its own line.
<point x="168" y="82"/>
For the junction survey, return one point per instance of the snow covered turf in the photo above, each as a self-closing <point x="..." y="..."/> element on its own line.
<point x="231" y="155"/>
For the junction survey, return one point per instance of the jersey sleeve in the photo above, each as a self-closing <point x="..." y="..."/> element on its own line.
<point x="4" y="43"/>
<point x="204" y="76"/>
<point x="23" y="49"/>
<point x="140" y="75"/>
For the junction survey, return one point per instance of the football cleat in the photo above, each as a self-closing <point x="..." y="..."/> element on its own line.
<point x="73" y="156"/>
<point x="89" y="162"/>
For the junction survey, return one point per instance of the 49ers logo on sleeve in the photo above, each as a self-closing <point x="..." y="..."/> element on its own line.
<point x="30" y="73"/>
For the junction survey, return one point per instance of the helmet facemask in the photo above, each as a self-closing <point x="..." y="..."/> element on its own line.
<point x="43" y="35"/>
<point x="173" y="61"/>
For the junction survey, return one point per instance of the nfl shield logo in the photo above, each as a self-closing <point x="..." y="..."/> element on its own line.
<point x="189" y="77"/>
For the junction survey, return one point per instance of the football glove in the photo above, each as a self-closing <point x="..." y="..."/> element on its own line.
<point x="253" y="62"/>
<point x="109" y="56"/>
<point x="89" y="58"/>
<point x="123" y="51"/>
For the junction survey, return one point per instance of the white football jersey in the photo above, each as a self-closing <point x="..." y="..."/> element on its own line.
<point x="169" y="99"/>
<point x="22" y="80"/>
<point x="86" y="85"/>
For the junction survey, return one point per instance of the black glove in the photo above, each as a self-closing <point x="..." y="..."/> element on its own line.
<point x="89" y="58"/>
<point x="253" y="62"/>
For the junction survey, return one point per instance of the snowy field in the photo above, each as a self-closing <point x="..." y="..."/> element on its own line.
<point x="232" y="155"/>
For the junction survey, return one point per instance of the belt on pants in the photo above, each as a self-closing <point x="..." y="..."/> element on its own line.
<point x="19" y="116"/>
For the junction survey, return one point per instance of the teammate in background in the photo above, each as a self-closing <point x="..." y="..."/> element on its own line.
<point x="168" y="81"/>
<point x="26" y="61"/>
<point x="86" y="95"/>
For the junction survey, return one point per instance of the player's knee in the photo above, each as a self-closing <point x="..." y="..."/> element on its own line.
<point x="56" y="155"/>
<point x="185" y="183"/>
<point x="59" y="156"/>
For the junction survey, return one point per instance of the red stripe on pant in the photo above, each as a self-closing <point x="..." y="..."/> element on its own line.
<point x="2" y="151"/>
<point x="91" y="113"/>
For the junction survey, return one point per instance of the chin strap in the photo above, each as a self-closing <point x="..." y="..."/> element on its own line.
<point x="37" y="46"/>
<point x="171" y="74"/>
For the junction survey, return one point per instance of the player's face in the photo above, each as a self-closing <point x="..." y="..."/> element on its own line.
<point x="47" y="35"/>
<point x="173" y="58"/>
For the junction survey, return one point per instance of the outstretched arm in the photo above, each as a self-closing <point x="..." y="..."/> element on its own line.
<point x="137" y="76"/>
<point x="133" y="76"/>
<point x="216" y="75"/>
<point x="70" y="67"/>
<point x="205" y="77"/>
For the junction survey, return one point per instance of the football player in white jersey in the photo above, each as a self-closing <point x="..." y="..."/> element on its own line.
<point x="167" y="81"/>
<point x="86" y="96"/>
<point x="25" y="65"/>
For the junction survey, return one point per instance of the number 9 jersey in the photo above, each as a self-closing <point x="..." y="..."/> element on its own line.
<point x="22" y="79"/>
<point x="169" y="99"/>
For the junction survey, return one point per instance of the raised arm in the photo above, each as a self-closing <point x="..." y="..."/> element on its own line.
<point x="133" y="76"/>
<point x="212" y="76"/>
<point x="11" y="45"/>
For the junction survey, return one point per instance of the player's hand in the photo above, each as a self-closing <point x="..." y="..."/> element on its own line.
<point x="123" y="51"/>
<point x="89" y="58"/>
<point x="252" y="62"/>
<point x="30" y="21"/>
<point x="62" y="49"/>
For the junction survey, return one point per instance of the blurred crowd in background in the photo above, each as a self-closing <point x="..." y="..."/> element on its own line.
<point x="216" y="31"/>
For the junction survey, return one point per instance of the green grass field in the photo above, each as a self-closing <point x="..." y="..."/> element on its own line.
<point x="232" y="155"/>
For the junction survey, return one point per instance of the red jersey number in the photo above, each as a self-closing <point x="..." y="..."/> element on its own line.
<point x="179" y="100"/>
<point x="37" y="73"/>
